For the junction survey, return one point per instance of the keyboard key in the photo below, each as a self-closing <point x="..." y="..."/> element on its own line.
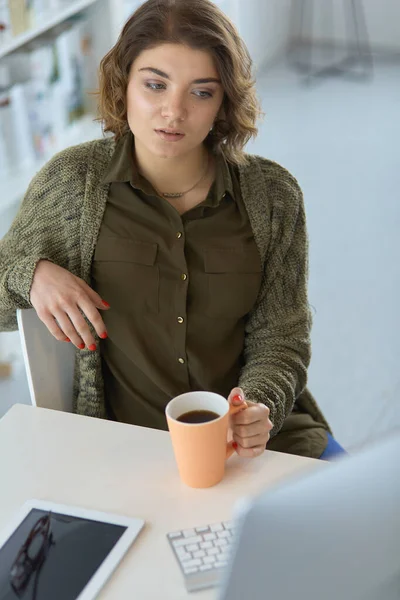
<point x="228" y="525"/>
<point x="205" y="545"/>
<point x="209" y="560"/>
<point x="199" y="554"/>
<point x="224" y="534"/>
<point x="220" y="564"/>
<point x="223" y="557"/>
<point x="216" y="527"/>
<point x="202" y="529"/>
<point x="213" y="551"/>
<point x="193" y="563"/>
<point x="189" y="571"/>
<point x="206" y="567"/>
<point x="189" y="533"/>
<point x="184" y="541"/>
<point x="209" y="536"/>
<point x="192" y="548"/>
<point x="220" y="543"/>
<point x="175" y="534"/>
<point x="185" y="555"/>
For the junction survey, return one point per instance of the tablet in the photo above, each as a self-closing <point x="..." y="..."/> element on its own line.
<point x="52" y="551"/>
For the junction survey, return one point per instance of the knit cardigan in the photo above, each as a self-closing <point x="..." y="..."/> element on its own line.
<point x="59" y="220"/>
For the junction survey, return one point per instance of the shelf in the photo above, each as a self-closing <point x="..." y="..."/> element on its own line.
<point x="13" y="186"/>
<point x="48" y="22"/>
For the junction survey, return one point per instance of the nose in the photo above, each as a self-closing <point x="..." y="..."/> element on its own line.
<point x="174" y="108"/>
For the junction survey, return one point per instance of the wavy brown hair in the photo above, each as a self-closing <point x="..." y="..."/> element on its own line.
<point x="201" y="25"/>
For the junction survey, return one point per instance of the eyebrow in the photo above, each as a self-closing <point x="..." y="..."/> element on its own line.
<point x="166" y="76"/>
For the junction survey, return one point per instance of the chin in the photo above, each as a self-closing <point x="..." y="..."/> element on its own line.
<point x="162" y="151"/>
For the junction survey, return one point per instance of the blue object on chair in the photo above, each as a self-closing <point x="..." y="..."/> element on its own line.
<point x="333" y="449"/>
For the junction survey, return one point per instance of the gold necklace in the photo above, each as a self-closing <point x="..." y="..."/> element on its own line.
<point x="180" y="194"/>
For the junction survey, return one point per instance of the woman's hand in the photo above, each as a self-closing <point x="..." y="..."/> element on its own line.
<point x="250" y="427"/>
<point x="60" y="298"/>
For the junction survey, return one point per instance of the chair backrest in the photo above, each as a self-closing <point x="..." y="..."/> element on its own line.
<point x="49" y="363"/>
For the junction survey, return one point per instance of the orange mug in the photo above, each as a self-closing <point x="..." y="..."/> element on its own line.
<point x="201" y="449"/>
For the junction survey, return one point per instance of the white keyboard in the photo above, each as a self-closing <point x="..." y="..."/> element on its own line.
<point x="202" y="553"/>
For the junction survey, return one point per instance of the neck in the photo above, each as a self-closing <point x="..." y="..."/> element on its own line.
<point x="175" y="174"/>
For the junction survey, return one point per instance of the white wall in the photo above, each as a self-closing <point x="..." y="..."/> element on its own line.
<point x="263" y="24"/>
<point x="382" y="19"/>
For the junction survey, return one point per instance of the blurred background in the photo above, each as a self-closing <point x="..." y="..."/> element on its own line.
<point x="328" y="77"/>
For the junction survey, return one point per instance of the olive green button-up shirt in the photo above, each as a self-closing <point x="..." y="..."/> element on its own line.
<point x="180" y="287"/>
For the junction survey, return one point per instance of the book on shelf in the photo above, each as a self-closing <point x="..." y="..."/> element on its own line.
<point x="18" y="16"/>
<point x="5" y="22"/>
<point x="16" y="146"/>
<point x="46" y="94"/>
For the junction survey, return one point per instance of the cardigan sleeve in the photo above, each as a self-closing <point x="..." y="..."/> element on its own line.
<point x="277" y="339"/>
<point x="45" y="227"/>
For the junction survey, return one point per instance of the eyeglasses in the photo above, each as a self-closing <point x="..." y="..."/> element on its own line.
<point x="31" y="556"/>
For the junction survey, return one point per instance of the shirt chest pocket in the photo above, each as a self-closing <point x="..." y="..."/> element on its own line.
<point x="125" y="271"/>
<point x="233" y="279"/>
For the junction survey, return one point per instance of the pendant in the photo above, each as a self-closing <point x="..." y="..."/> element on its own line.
<point x="177" y="195"/>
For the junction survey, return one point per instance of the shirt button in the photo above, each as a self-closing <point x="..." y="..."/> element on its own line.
<point x="181" y="360"/>
<point x="183" y="276"/>
<point x="180" y="319"/>
<point x="179" y="235"/>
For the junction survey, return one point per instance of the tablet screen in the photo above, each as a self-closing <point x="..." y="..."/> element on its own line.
<point x="53" y="556"/>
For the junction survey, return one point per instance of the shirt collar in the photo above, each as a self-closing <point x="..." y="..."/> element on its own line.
<point x="122" y="168"/>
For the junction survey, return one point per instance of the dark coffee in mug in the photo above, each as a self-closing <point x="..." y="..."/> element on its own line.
<point x="198" y="416"/>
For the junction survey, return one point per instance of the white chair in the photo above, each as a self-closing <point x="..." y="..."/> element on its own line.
<point x="49" y="363"/>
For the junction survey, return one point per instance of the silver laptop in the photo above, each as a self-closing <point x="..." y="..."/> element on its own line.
<point x="332" y="535"/>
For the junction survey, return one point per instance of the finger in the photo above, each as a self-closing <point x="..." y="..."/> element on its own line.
<point x="94" y="317"/>
<point x="95" y="297"/>
<point x="249" y="452"/>
<point x="68" y="328"/>
<point x="246" y="431"/>
<point x="236" y="397"/>
<point x="253" y="441"/>
<point x="252" y="414"/>
<point x="51" y="324"/>
<point x="82" y="328"/>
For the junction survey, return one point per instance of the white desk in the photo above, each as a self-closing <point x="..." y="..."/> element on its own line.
<point x="126" y="470"/>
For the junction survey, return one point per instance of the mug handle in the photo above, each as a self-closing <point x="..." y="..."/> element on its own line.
<point x="232" y="411"/>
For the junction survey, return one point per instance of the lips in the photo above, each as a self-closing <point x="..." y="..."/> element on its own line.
<point x="167" y="136"/>
<point x="170" y="131"/>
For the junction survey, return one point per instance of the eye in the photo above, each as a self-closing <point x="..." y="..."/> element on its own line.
<point x="155" y="86"/>
<point x="202" y="94"/>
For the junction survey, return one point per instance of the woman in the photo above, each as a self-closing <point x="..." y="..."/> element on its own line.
<point x="171" y="259"/>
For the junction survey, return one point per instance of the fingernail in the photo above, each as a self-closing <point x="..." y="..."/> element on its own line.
<point x="92" y="347"/>
<point x="104" y="335"/>
<point x="237" y="398"/>
<point x="67" y="340"/>
<point x="81" y="346"/>
<point x="234" y="444"/>
<point x="106" y="304"/>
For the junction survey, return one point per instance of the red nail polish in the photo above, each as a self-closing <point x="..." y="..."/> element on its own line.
<point x="67" y="340"/>
<point x="237" y="398"/>
<point x="92" y="347"/>
<point x="234" y="444"/>
<point x="81" y="346"/>
<point x="106" y="304"/>
<point x="104" y="335"/>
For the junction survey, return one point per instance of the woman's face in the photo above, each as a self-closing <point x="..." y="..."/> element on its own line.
<point x="173" y="89"/>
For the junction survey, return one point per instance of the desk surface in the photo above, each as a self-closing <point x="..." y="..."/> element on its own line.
<point x="126" y="470"/>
